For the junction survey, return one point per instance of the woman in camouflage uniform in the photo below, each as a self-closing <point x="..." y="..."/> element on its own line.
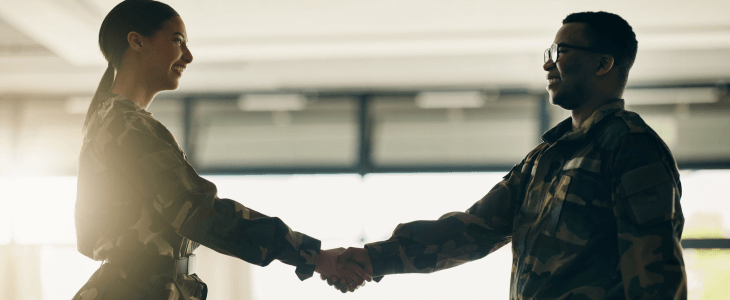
<point x="141" y="208"/>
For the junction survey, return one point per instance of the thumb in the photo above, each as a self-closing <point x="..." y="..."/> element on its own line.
<point x="343" y="257"/>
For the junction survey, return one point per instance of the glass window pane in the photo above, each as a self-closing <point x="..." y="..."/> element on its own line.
<point x="347" y="210"/>
<point x="318" y="205"/>
<point x="708" y="272"/>
<point x="324" y="133"/>
<point x="704" y="203"/>
<point x="500" y="132"/>
<point x="695" y="132"/>
<point x="49" y="138"/>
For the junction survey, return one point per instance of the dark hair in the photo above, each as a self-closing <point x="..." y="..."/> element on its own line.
<point x="611" y="34"/>
<point x="145" y="17"/>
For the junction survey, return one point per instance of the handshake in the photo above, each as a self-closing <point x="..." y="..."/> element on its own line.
<point x="345" y="270"/>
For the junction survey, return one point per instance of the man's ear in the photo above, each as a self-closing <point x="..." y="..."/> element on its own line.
<point x="135" y="41"/>
<point x="605" y="64"/>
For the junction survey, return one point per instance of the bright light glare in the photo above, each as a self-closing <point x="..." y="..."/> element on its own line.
<point x="6" y="212"/>
<point x="705" y="203"/>
<point x="42" y="210"/>
<point x="64" y="271"/>
<point x="342" y="211"/>
<point x="347" y="210"/>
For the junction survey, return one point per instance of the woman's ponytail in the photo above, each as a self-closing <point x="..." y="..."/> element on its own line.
<point x="105" y="86"/>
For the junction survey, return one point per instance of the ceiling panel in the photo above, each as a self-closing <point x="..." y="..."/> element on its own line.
<point x="273" y="44"/>
<point x="15" y="43"/>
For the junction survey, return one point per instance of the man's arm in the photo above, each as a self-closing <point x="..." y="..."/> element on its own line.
<point x="453" y="239"/>
<point x="649" y="219"/>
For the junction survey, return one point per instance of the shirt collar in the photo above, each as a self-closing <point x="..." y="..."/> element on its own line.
<point x="125" y="100"/>
<point x="564" y="130"/>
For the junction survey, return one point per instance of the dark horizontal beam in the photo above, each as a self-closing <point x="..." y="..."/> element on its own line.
<point x="678" y="85"/>
<point x="344" y="92"/>
<point x="441" y="168"/>
<point x="382" y="91"/>
<point x="261" y="170"/>
<point x="414" y="168"/>
<point x="706" y="243"/>
<point x="707" y="164"/>
<point x="258" y="170"/>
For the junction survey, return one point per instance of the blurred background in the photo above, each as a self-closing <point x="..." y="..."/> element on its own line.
<point x="347" y="117"/>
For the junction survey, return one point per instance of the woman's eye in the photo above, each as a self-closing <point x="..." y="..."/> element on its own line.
<point x="179" y="41"/>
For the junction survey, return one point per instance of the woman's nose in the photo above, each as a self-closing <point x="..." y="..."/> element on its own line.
<point x="187" y="55"/>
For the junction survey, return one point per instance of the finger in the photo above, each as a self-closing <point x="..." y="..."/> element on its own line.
<point x="338" y="287"/>
<point x="350" y="276"/>
<point x="332" y="280"/>
<point x="359" y="271"/>
<point x="343" y="257"/>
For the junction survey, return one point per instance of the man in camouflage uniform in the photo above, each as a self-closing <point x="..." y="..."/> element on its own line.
<point x="593" y="212"/>
<point x="140" y="206"/>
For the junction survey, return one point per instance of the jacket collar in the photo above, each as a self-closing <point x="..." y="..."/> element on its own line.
<point x="564" y="130"/>
<point x="111" y="97"/>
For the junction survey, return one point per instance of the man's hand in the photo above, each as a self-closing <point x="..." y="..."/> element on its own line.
<point x="344" y="279"/>
<point x="355" y="260"/>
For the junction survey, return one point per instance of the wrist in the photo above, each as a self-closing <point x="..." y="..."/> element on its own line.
<point x="321" y="261"/>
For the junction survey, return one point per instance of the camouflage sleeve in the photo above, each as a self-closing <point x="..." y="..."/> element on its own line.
<point x="455" y="238"/>
<point x="649" y="219"/>
<point x="189" y="203"/>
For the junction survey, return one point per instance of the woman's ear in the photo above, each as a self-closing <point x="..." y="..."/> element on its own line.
<point x="135" y="41"/>
<point x="605" y="64"/>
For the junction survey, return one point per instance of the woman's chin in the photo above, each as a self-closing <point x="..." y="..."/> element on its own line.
<point x="172" y="85"/>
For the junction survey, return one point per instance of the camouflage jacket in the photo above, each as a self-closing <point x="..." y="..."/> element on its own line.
<point x="137" y="195"/>
<point x="592" y="213"/>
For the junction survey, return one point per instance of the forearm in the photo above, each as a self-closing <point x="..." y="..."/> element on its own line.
<point x="429" y="246"/>
<point x="228" y="227"/>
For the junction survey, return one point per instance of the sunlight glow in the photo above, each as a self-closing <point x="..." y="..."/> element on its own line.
<point x="43" y="209"/>
<point x="342" y="211"/>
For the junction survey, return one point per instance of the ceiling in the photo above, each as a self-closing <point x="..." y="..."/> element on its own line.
<point x="50" y="46"/>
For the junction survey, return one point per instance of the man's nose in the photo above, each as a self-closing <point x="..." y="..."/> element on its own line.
<point x="548" y="65"/>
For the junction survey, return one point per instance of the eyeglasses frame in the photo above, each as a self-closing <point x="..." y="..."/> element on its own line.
<point x="548" y="52"/>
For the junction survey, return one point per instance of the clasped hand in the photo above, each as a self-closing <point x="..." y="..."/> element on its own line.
<point x="346" y="270"/>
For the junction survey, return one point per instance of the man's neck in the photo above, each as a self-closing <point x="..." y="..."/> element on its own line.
<point x="580" y="114"/>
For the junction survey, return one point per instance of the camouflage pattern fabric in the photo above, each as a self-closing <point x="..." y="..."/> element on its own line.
<point x="112" y="282"/>
<point x="137" y="195"/>
<point x="592" y="213"/>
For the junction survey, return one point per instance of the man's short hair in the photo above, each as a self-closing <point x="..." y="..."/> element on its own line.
<point x="612" y="34"/>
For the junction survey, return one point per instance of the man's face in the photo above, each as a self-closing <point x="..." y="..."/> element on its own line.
<point x="570" y="82"/>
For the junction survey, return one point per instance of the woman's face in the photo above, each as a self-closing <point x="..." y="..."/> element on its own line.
<point x="168" y="56"/>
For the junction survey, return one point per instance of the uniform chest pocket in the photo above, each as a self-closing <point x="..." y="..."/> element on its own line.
<point x="578" y="209"/>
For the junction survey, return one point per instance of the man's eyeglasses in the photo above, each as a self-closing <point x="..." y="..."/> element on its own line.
<point x="552" y="53"/>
